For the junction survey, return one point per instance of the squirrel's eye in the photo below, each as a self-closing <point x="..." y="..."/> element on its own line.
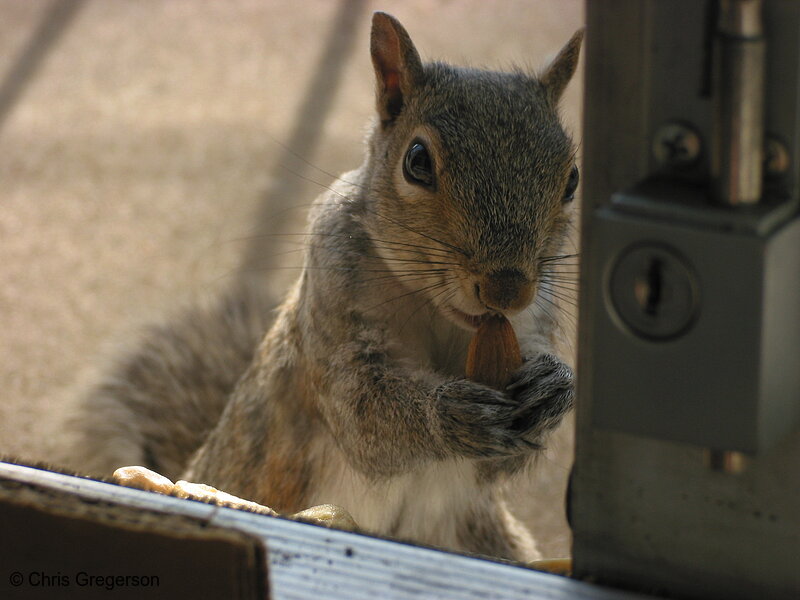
<point x="572" y="184"/>
<point x="418" y="166"/>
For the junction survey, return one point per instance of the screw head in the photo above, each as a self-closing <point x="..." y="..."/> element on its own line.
<point x="776" y="157"/>
<point x="676" y="145"/>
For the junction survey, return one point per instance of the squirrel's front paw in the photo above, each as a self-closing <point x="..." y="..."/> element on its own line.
<point x="544" y="392"/>
<point x="479" y="421"/>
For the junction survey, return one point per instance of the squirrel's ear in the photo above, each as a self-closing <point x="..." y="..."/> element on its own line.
<point x="397" y="65"/>
<point x="557" y="75"/>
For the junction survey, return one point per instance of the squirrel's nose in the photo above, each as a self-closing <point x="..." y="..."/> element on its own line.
<point x="504" y="289"/>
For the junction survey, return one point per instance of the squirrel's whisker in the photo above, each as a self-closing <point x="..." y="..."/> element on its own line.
<point x="345" y="269"/>
<point x="567" y="296"/>
<point x="378" y="214"/>
<point x="555" y="267"/>
<point x="562" y="310"/>
<point x="553" y="316"/>
<point x="405" y="277"/>
<point x="312" y="165"/>
<point x="427" y="301"/>
<point x="554" y="258"/>
<point x="559" y="272"/>
<point x="547" y="313"/>
<point x="564" y="270"/>
<point x="387" y="259"/>
<point x="565" y="284"/>
<point x="411" y="293"/>
<point x="568" y="284"/>
<point x="559" y="295"/>
<point x="430" y="237"/>
<point x="362" y="238"/>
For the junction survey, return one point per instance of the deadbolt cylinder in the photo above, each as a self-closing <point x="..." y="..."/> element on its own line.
<point x="653" y="291"/>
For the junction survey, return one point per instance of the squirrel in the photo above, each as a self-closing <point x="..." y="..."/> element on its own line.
<point x="354" y="394"/>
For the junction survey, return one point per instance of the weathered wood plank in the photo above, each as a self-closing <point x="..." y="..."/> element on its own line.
<point x="311" y="562"/>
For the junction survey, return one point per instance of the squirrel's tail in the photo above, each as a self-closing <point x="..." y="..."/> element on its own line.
<point x="159" y="399"/>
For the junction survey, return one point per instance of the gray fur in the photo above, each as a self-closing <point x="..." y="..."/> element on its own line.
<point x="164" y="391"/>
<point x="356" y="395"/>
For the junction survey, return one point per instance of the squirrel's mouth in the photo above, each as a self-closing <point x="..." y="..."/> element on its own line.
<point x="470" y="322"/>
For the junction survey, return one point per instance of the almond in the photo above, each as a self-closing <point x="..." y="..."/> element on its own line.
<point x="493" y="353"/>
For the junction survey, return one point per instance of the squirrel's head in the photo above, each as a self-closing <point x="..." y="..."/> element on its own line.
<point x="472" y="176"/>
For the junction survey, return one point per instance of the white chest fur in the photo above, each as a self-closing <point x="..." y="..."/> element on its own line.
<point x="425" y="505"/>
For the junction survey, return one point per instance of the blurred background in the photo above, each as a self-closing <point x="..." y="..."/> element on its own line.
<point x="149" y="149"/>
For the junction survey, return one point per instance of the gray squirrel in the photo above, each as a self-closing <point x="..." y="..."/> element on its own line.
<point x="354" y="393"/>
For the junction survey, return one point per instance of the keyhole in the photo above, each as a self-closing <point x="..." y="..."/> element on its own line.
<point x="653" y="291"/>
<point x="648" y="288"/>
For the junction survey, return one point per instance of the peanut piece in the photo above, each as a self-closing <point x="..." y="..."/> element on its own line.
<point x="493" y="353"/>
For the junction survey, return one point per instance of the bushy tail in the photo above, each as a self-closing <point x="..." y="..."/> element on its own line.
<point x="159" y="399"/>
